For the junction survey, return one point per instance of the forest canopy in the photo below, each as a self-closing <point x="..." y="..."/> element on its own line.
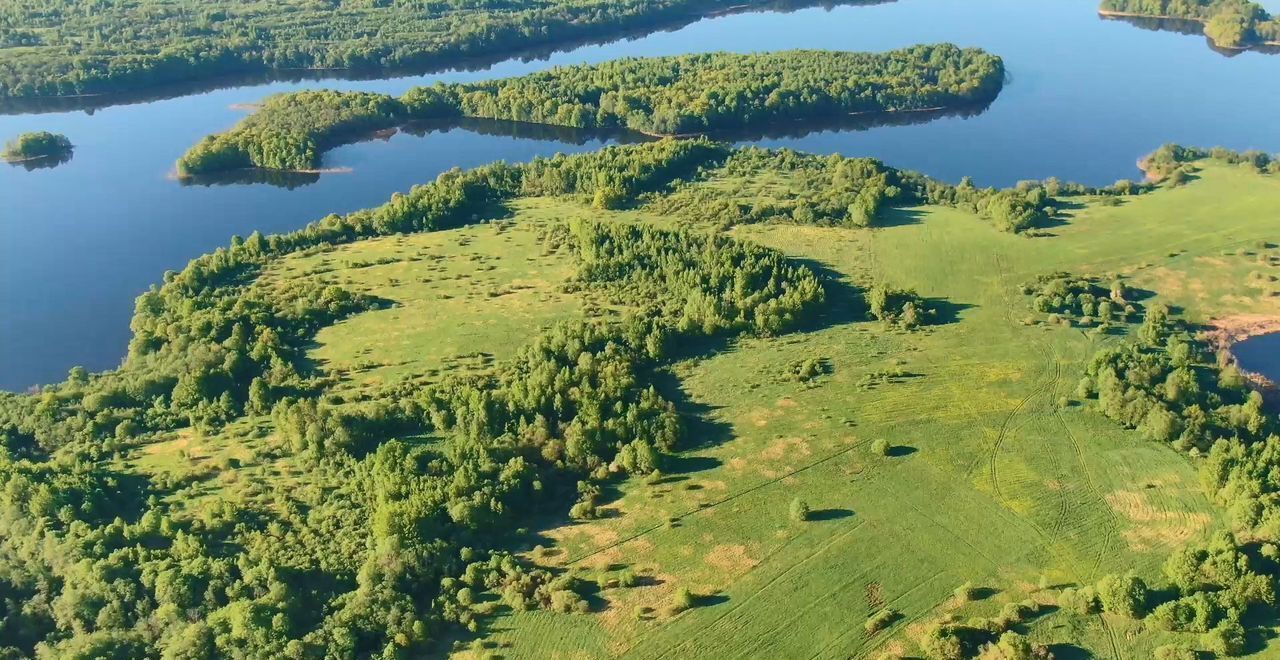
<point x="663" y="95"/>
<point x="64" y="47"/>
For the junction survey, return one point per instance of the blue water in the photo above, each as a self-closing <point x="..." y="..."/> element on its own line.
<point x="1086" y="98"/>
<point x="1260" y="355"/>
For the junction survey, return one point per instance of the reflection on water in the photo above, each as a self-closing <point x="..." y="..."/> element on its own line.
<point x="581" y="136"/>
<point x="849" y="123"/>
<point x="1192" y="28"/>
<point x="43" y="162"/>
<point x="277" y="178"/>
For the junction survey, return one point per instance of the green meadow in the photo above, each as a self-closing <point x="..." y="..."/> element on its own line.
<point x="997" y="475"/>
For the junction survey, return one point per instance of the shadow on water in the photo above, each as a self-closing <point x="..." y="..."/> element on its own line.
<point x="429" y="65"/>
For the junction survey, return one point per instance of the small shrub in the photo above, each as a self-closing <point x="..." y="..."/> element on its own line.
<point x="881" y="447"/>
<point x="881" y="620"/>
<point x="682" y="600"/>
<point x="799" y="510"/>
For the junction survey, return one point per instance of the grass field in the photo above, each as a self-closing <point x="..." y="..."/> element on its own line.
<point x="997" y="475"/>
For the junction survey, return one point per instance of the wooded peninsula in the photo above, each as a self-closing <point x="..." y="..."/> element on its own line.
<point x="657" y="96"/>
<point x="58" y="48"/>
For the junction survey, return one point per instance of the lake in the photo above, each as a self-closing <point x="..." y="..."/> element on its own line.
<point x="1260" y="355"/>
<point x="1085" y="99"/>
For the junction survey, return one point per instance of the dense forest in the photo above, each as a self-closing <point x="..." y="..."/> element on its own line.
<point x="665" y="95"/>
<point x="62" y="47"/>
<point x="1229" y="23"/>
<point x="38" y="144"/>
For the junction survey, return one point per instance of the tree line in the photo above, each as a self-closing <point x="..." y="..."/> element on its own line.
<point x="60" y="48"/>
<point x="661" y="95"/>
<point x="853" y="192"/>
<point x="1228" y="23"/>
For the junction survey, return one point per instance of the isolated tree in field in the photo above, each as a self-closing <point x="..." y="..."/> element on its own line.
<point x="799" y="510"/>
<point x="682" y="600"/>
<point x="881" y="447"/>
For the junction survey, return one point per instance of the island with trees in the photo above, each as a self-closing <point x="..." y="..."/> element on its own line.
<point x="1231" y="24"/>
<point x="52" y="48"/>
<point x="665" y="96"/>
<point x="36" y="145"/>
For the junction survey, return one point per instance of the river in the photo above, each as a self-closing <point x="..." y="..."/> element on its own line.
<point x="1086" y="97"/>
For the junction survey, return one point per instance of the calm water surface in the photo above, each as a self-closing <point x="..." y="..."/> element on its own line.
<point x="1086" y="97"/>
<point x="1260" y="355"/>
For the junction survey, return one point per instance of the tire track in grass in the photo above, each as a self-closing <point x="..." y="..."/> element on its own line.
<point x="895" y="625"/>
<point x="716" y="503"/>
<point x="772" y="581"/>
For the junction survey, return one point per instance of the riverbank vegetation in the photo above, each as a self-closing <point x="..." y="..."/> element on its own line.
<point x="36" y="145"/>
<point x="1228" y="23"/>
<point x="600" y="382"/>
<point x="665" y="96"/>
<point x="56" y="48"/>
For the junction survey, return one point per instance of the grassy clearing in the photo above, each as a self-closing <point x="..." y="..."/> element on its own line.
<point x="459" y="300"/>
<point x="996" y="477"/>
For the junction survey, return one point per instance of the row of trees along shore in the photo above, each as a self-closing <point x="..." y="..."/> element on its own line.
<point x="54" y="48"/>
<point x="1228" y="23"/>
<point x="663" y="96"/>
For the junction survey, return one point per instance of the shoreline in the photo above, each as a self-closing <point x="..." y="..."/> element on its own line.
<point x="1112" y="14"/>
<point x="388" y="132"/>
<point x="1228" y="331"/>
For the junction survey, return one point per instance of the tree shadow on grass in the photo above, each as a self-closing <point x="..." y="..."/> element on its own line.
<point x="709" y="600"/>
<point x="899" y="451"/>
<point x="943" y="311"/>
<point x="821" y="515"/>
<point x="1069" y="652"/>
<point x="898" y="218"/>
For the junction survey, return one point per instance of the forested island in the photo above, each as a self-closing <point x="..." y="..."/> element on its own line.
<point x="1232" y="24"/>
<point x="668" y="96"/>
<point x="55" y="48"/>
<point x="36" y="145"/>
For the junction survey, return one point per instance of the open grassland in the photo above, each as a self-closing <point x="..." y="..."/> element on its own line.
<point x="456" y="300"/>
<point x="996" y="476"/>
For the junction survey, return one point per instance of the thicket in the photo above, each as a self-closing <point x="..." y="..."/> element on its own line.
<point x="1173" y="162"/>
<point x="38" y="144"/>
<point x="839" y="191"/>
<point x="1229" y="23"/>
<point x="662" y="95"/>
<point x="63" y="48"/>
